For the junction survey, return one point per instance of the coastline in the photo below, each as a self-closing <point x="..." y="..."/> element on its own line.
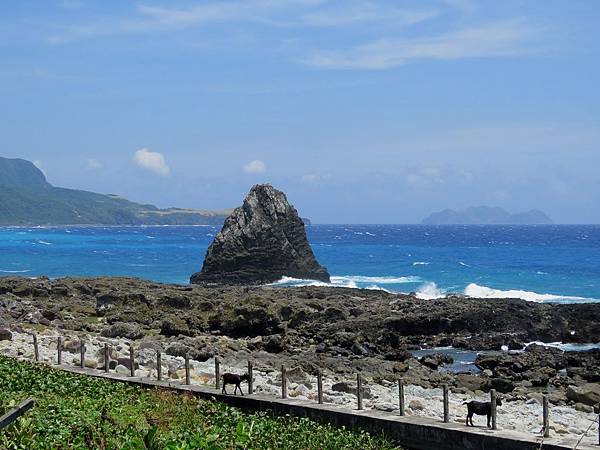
<point x="522" y="414"/>
<point x="526" y="262"/>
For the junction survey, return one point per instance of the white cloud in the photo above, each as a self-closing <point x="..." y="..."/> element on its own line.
<point x="292" y="14"/>
<point x="151" y="18"/>
<point x="94" y="164"/>
<point x="256" y="166"/>
<point x="507" y="38"/>
<point x="152" y="161"/>
<point x="363" y="12"/>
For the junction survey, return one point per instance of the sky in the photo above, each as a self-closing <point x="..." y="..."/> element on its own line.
<point x="362" y="111"/>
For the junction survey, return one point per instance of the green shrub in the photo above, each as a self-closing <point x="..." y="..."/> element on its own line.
<point x="80" y="412"/>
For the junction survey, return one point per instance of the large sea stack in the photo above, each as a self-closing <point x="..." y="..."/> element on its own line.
<point x="261" y="241"/>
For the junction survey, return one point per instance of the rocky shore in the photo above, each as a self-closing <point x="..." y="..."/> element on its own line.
<point x="343" y="331"/>
<point x="521" y="413"/>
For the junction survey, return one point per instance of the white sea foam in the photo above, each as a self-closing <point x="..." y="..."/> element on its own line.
<point x="566" y="347"/>
<point x="374" y="287"/>
<point x="378" y="280"/>
<point x="14" y="271"/>
<point x="475" y="290"/>
<point x="429" y="291"/>
<point x="350" y="281"/>
<point x="44" y="242"/>
<point x="420" y="263"/>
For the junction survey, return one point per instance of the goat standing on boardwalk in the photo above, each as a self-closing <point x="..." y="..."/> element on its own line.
<point x="480" y="408"/>
<point x="232" y="378"/>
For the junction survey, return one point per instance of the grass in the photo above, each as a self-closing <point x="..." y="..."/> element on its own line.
<point x="79" y="412"/>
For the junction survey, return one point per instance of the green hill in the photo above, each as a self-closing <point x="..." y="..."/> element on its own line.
<point x="26" y="198"/>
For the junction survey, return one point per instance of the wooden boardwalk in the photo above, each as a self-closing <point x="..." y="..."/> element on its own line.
<point x="414" y="432"/>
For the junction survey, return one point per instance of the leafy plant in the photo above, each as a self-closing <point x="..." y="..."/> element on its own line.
<point x="79" y="412"/>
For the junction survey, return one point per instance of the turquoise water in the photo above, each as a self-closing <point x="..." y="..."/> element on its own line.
<point x="537" y="263"/>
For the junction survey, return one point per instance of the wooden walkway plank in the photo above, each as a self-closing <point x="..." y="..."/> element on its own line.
<point x="16" y="412"/>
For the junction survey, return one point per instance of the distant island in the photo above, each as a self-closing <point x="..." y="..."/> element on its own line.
<point x="485" y="215"/>
<point x="27" y="199"/>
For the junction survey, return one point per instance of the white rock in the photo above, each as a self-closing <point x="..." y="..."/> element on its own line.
<point x="122" y="370"/>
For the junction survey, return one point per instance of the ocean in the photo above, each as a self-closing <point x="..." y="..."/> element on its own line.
<point x="536" y="263"/>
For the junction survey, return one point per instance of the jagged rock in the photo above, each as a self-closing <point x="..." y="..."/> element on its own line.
<point x="174" y="326"/>
<point x="470" y="382"/>
<point x="260" y="242"/>
<point x="416" y="405"/>
<point x="345" y="387"/>
<point x="201" y="354"/>
<point x="435" y="360"/>
<point x="126" y="362"/>
<point x="588" y="394"/>
<point x="501" y="385"/>
<point x="297" y="375"/>
<point x="273" y="343"/>
<point x="122" y="329"/>
<point x="5" y="335"/>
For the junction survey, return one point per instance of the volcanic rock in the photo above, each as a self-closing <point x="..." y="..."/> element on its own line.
<point x="5" y="335"/>
<point x="588" y="394"/>
<point x="261" y="241"/>
<point x="123" y="329"/>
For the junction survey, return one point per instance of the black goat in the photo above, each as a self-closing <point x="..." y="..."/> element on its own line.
<point x="481" y="409"/>
<point x="232" y="378"/>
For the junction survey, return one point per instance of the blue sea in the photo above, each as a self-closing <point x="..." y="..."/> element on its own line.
<point x="536" y="263"/>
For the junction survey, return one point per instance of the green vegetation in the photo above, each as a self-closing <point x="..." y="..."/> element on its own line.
<point x="80" y="412"/>
<point x="26" y="198"/>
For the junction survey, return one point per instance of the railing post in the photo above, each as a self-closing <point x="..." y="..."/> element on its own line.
<point x="446" y="405"/>
<point x="81" y="353"/>
<point x="187" y="369"/>
<point x="546" y="413"/>
<point x="217" y="372"/>
<point x="493" y="403"/>
<point x="250" y="378"/>
<point x="59" y="351"/>
<point x="401" y="395"/>
<point x="131" y="361"/>
<point x="159" y="365"/>
<point x="283" y="382"/>
<point x="36" y="349"/>
<point x="106" y="358"/>
<point x="598" y="429"/>
<point x="320" y="386"/>
<point x="359" y="392"/>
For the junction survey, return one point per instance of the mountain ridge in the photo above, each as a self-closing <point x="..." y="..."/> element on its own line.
<point x="486" y="215"/>
<point x="28" y="199"/>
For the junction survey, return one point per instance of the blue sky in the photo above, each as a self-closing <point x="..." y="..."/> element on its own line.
<point x="362" y="111"/>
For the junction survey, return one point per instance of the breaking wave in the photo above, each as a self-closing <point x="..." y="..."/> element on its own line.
<point x="475" y="290"/>
<point x="350" y="281"/>
<point x="430" y="291"/>
<point x="567" y="347"/>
